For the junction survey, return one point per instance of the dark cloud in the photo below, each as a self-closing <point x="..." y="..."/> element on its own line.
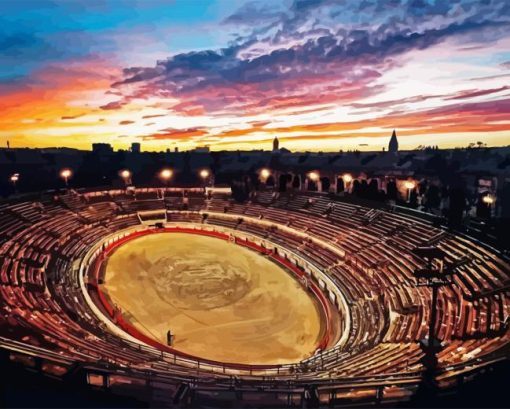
<point x="393" y="102"/>
<point x="126" y="122"/>
<point x="292" y="53"/>
<point x="254" y="13"/>
<point x="68" y="117"/>
<point x="477" y="93"/>
<point x="152" y="116"/>
<point x="177" y="134"/>
<point x="113" y="105"/>
<point x="490" y="77"/>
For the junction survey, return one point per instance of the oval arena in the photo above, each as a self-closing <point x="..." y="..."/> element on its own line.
<point x="213" y="290"/>
<point x="312" y="295"/>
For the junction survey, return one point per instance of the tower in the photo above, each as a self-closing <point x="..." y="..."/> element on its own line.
<point x="276" y="144"/>
<point x="135" y="147"/>
<point x="393" y="145"/>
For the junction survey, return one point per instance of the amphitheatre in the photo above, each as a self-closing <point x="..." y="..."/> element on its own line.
<point x="204" y="204"/>
<point x="190" y="293"/>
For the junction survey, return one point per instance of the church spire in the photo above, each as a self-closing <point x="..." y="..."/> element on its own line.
<point x="393" y="145"/>
<point x="276" y="144"/>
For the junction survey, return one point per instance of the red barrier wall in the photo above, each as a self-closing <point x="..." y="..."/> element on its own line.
<point x="95" y="269"/>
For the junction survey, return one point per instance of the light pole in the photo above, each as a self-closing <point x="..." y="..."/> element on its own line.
<point x="347" y="178"/>
<point x="204" y="174"/>
<point x="126" y="176"/>
<point x="66" y="175"/>
<point x="314" y="177"/>
<point x="14" y="180"/>
<point x="489" y="201"/>
<point x="436" y="274"/>
<point x="264" y="174"/>
<point x="165" y="175"/>
<point x="409" y="185"/>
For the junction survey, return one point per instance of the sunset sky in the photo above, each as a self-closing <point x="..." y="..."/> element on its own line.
<point x="320" y="75"/>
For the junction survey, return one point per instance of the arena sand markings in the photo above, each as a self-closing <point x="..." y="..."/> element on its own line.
<point x="221" y="301"/>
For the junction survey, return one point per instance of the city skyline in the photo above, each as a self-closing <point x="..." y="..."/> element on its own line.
<point x="319" y="75"/>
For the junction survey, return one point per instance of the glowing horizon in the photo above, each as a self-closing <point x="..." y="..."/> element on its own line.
<point x="321" y="76"/>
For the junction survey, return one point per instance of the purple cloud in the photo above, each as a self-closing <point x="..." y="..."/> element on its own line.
<point x="282" y="59"/>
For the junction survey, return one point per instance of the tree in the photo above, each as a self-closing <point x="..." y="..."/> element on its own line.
<point x="391" y="190"/>
<point x="282" y="182"/>
<point x="373" y="190"/>
<point x="432" y="197"/>
<point x="325" y="184"/>
<point x="296" y="183"/>
<point x="457" y="196"/>
<point x="340" y="187"/>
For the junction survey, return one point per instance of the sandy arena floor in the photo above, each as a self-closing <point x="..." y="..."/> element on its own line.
<point x="222" y="301"/>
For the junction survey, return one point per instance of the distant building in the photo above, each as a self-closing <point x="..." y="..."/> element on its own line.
<point x="276" y="144"/>
<point x="102" y="148"/>
<point x="135" y="147"/>
<point x="393" y="145"/>
<point x="201" y="149"/>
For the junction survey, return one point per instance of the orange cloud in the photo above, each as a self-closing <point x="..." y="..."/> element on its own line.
<point x="176" y="134"/>
<point x="50" y="93"/>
